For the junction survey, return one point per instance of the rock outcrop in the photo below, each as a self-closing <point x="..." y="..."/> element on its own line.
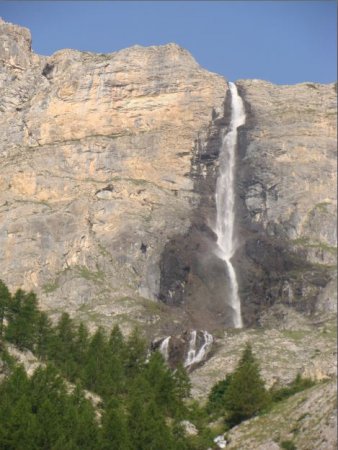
<point x="287" y="200"/>
<point x="107" y="183"/>
<point x="96" y="169"/>
<point x="189" y="348"/>
<point x="305" y="421"/>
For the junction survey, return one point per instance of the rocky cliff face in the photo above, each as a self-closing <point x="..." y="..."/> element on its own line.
<point x="287" y="196"/>
<point x="108" y="172"/>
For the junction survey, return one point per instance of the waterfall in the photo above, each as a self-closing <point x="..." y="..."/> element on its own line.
<point x="225" y="201"/>
<point x="164" y="348"/>
<point x="195" y="356"/>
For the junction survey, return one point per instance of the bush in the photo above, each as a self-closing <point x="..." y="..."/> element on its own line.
<point x="216" y="399"/>
<point x="297" y="385"/>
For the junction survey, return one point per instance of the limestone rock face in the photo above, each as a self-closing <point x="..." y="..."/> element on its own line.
<point x="108" y="167"/>
<point x="15" y="46"/>
<point x="96" y="160"/>
<point x="287" y="201"/>
<point x="286" y="209"/>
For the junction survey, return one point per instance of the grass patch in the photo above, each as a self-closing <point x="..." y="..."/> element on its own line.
<point x="295" y="335"/>
<point x="103" y="251"/>
<point x="299" y="384"/>
<point x="305" y="242"/>
<point x="50" y="287"/>
<point x="322" y="206"/>
<point x="84" y="272"/>
<point x="153" y="306"/>
<point x="288" y="445"/>
<point x="330" y="331"/>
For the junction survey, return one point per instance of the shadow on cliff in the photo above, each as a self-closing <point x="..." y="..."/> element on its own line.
<point x="269" y="270"/>
<point x="193" y="278"/>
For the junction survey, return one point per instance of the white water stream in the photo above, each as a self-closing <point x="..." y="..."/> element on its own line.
<point x="225" y="201"/>
<point x="195" y="356"/>
<point x="164" y="348"/>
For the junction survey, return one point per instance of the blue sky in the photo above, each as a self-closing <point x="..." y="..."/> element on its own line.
<point x="284" y="42"/>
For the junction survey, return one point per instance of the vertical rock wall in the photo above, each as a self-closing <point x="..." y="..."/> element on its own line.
<point x="108" y="167"/>
<point x="287" y="197"/>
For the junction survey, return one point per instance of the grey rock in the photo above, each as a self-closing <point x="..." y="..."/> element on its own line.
<point x="107" y="187"/>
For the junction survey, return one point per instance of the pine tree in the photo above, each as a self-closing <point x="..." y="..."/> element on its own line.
<point x="116" y="359"/>
<point x="182" y="382"/>
<point x="18" y="426"/>
<point x="5" y="298"/>
<point x="82" y="342"/>
<point x="216" y="399"/>
<point x="12" y="333"/>
<point x="135" y="354"/>
<point x="114" y="431"/>
<point x="147" y="427"/>
<point x="116" y="341"/>
<point x="22" y="316"/>
<point x="44" y="335"/>
<point x="63" y="348"/>
<point x="97" y="377"/>
<point x="81" y="414"/>
<point x="81" y="350"/>
<point x="246" y="394"/>
<point x="162" y="384"/>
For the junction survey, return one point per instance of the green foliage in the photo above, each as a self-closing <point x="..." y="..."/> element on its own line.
<point x="245" y="395"/>
<point x="114" y="433"/>
<point x="288" y="445"/>
<point x="39" y="413"/>
<point x="50" y="287"/>
<point x="96" y="276"/>
<point x="142" y="399"/>
<point x="136" y="354"/>
<point x="182" y="382"/>
<point x="22" y="314"/>
<point x="44" y="335"/>
<point x="216" y="399"/>
<point x="297" y="385"/>
<point x="5" y="298"/>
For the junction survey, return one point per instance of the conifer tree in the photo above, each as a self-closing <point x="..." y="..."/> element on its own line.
<point x="63" y="349"/>
<point x="246" y="394"/>
<point x="22" y="320"/>
<point x="116" y="341"/>
<point x="44" y="335"/>
<point x="162" y="383"/>
<point x="182" y="382"/>
<point x="81" y="350"/>
<point x="5" y="298"/>
<point x="147" y="427"/>
<point x="136" y="354"/>
<point x="13" y="311"/>
<point x="216" y="399"/>
<point x="97" y="376"/>
<point x="81" y="342"/>
<point x="116" y="359"/>
<point x="114" y="431"/>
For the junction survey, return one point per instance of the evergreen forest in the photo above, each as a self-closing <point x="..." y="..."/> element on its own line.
<point x="106" y="392"/>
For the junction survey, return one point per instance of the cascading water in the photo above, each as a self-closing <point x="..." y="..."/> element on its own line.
<point x="164" y="348"/>
<point x="225" y="201"/>
<point x="195" y="356"/>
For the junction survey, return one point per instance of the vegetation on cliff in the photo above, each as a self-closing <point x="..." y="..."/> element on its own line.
<point x="142" y="400"/>
<point x="141" y="403"/>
